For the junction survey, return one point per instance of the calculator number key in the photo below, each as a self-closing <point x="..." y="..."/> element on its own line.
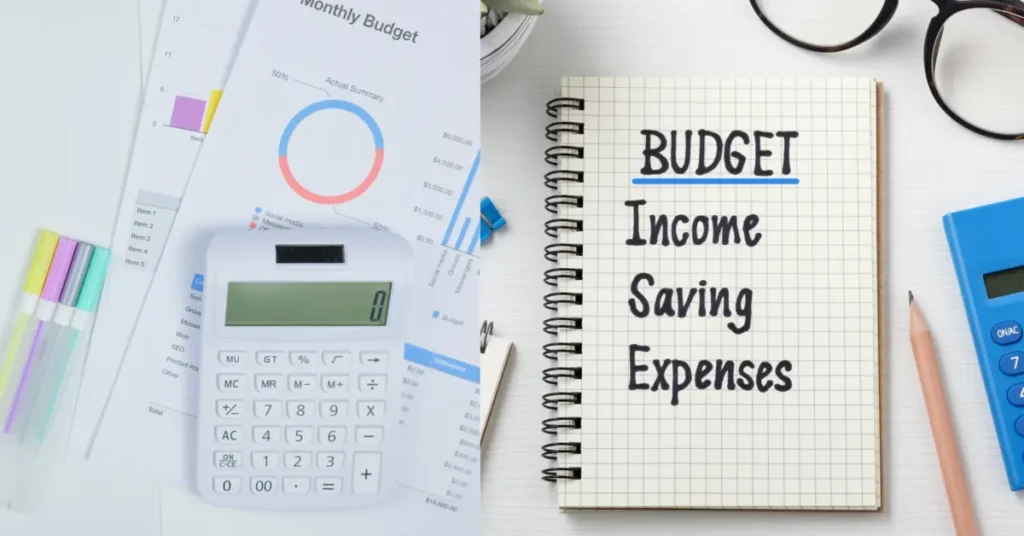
<point x="300" y="409"/>
<point x="373" y="383"/>
<point x="333" y="409"/>
<point x="266" y="460"/>
<point x="303" y="359"/>
<point x="266" y="435"/>
<point x="226" y="485"/>
<point x="370" y="410"/>
<point x="229" y="409"/>
<point x="267" y="409"/>
<point x="331" y="435"/>
<point x="1012" y="364"/>
<point x="263" y="485"/>
<point x="330" y="460"/>
<point x="269" y="359"/>
<point x="297" y="460"/>
<point x="299" y="435"/>
<point x="1016" y="395"/>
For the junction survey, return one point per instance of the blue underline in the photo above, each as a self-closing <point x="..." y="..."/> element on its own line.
<point x="727" y="181"/>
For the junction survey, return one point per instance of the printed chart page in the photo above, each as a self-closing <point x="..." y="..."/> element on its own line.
<point x="315" y="132"/>
<point x="192" y="57"/>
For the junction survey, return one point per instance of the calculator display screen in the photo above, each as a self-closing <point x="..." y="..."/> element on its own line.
<point x="307" y="304"/>
<point x="1005" y="282"/>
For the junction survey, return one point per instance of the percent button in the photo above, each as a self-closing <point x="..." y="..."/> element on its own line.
<point x="303" y="359"/>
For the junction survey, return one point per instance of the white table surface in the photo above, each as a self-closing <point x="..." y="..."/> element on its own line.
<point x="73" y="74"/>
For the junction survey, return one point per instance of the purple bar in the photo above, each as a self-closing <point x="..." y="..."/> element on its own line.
<point x="24" y="376"/>
<point x="188" y="113"/>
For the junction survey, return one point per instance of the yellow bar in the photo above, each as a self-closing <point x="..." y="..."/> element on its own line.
<point x="12" y="353"/>
<point x="211" y="108"/>
<point x="45" y="246"/>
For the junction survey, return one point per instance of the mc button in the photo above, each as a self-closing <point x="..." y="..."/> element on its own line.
<point x="1005" y="333"/>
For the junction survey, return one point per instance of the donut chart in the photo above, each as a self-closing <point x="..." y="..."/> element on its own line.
<point x="331" y="199"/>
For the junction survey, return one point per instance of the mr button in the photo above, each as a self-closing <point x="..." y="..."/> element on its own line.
<point x="1005" y="333"/>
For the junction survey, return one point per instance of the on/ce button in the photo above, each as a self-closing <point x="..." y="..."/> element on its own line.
<point x="1005" y="333"/>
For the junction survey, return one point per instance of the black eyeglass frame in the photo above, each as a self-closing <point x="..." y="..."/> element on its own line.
<point x="947" y="8"/>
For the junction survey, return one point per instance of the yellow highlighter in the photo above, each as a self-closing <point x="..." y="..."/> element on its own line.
<point x="46" y="244"/>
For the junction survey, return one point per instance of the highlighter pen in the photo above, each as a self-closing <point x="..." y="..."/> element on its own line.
<point x="44" y="356"/>
<point x="44" y="313"/>
<point x="46" y="244"/>
<point x="30" y="479"/>
<point x="64" y="349"/>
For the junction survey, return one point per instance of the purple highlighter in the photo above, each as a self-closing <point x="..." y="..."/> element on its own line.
<point x="44" y="313"/>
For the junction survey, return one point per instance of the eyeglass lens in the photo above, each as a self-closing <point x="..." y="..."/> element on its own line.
<point x="823" y="23"/>
<point x="978" y="63"/>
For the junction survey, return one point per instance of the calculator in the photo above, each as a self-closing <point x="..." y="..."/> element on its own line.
<point x="987" y="244"/>
<point x="300" y="377"/>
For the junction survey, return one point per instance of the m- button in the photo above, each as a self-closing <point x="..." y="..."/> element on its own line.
<point x="1008" y="332"/>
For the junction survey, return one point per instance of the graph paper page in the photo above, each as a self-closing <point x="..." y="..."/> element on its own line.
<point x="730" y="327"/>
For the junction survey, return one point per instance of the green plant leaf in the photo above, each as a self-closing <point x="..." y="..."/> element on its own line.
<point x="526" y="7"/>
<point x="483" y="7"/>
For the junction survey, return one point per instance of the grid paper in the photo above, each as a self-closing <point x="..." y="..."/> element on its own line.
<point x="814" y="278"/>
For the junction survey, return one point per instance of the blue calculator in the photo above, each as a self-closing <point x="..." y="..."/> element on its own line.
<point x="987" y="244"/>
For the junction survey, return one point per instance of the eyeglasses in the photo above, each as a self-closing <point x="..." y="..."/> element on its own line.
<point x="973" y="51"/>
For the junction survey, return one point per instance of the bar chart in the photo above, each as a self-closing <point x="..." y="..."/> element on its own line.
<point x="194" y="115"/>
<point x="464" y="219"/>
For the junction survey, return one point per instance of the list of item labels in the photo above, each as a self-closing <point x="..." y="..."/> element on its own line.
<point x="154" y="214"/>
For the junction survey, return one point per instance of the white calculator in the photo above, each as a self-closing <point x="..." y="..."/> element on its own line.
<point x="300" y="378"/>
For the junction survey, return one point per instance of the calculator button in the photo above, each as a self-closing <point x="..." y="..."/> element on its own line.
<point x="328" y="486"/>
<point x="373" y="358"/>
<point x="269" y="358"/>
<point x="230" y="383"/>
<point x="331" y="435"/>
<point x="267" y="409"/>
<point x="296" y="485"/>
<point x="1005" y="333"/>
<point x="1016" y="395"/>
<point x="266" y="435"/>
<point x="226" y="485"/>
<point x="365" y="473"/>
<point x="303" y="359"/>
<point x="266" y="460"/>
<point x="1012" y="364"/>
<point x="227" y="459"/>
<point x="370" y="409"/>
<point x="337" y="358"/>
<point x="301" y="383"/>
<point x="298" y="435"/>
<point x="373" y="383"/>
<point x="228" y="434"/>
<point x="333" y="409"/>
<point x="300" y="409"/>
<point x="263" y="485"/>
<point x="1019" y="426"/>
<point x="369" y="435"/>
<point x="334" y="383"/>
<point x="297" y="460"/>
<point x="230" y="359"/>
<point x="229" y="409"/>
<point x="269" y="383"/>
<point x="330" y="460"/>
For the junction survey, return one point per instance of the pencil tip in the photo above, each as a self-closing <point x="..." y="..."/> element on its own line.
<point x="911" y="294"/>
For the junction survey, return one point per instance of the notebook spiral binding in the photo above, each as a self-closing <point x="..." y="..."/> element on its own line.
<point x="556" y="205"/>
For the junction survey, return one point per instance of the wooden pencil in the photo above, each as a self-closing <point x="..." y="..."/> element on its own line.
<point x="942" y="425"/>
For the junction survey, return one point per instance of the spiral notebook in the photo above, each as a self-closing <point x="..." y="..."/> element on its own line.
<point x="715" y="303"/>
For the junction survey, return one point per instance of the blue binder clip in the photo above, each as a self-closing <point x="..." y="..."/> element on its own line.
<point x="490" y="219"/>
